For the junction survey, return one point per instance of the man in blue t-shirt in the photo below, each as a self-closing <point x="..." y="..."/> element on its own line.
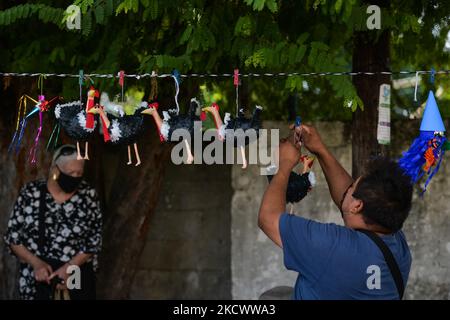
<point x="339" y="262"/>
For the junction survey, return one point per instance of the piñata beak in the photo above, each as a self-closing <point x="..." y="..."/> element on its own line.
<point x="312" y="162"/>
<point x="147" y="111"/>
<point x="35" y="110"/>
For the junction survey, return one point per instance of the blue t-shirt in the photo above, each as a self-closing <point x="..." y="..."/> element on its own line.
<point x="336" y="262"/>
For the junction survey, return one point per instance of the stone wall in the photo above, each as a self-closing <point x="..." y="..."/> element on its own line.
<point x="192" y="254"/>
<point x="257" y="264"/>
<point x="187" y="253"/>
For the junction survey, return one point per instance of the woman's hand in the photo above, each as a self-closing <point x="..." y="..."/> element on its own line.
<point x="62" y="274"/>
<point x="42" y="271"/>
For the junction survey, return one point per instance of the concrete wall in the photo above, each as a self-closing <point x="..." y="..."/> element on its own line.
<point x="257" y="264"/>
<point x="187" y="253"/>
<point x="204" y="243"/>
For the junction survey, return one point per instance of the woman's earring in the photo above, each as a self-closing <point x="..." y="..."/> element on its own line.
<point x="55" y="177"/>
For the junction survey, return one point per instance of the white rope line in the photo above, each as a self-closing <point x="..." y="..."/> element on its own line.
<point x="217" y="75"/>
<point x="177" y="88"/>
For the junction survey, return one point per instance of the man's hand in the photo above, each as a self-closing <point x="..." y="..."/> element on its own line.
<point x="337" y="178"/>
<point x="289" y="155"/>
<point x="42" y="271"/>
<point x="62" y="274"/>
<point x="310" y="139"/>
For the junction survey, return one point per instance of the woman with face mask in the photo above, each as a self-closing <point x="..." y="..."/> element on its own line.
<point x="55" y="232"/>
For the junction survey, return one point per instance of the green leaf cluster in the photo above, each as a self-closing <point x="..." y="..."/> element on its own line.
<point x="256" y="36"/>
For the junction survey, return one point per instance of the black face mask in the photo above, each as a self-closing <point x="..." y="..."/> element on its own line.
<point x="67" y="183"/>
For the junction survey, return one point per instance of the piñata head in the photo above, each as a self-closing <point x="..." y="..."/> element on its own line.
<point x="425" y="154"/>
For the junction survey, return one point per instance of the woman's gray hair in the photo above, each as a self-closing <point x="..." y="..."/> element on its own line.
<point x="65" y="153"/>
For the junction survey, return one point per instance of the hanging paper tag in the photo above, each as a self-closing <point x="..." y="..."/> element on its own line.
<point x="384" y="115"/>
<point x="236" y="77"/>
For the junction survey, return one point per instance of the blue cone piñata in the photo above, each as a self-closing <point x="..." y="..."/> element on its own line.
<point x="425" y="154"/>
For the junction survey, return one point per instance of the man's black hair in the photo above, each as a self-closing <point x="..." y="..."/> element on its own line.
<point x="386" y="193"/>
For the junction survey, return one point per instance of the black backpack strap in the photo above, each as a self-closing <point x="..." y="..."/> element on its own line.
<point x="390" y="260"/>
<point x="41" y="219"/>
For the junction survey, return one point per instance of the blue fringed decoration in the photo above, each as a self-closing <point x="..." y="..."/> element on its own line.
<point x="413" y="160"/>
<point x="18" y="134"/>
<point x="11" y="146"/>
<point x="23" y="124"/>
<point x="438" y="154"/>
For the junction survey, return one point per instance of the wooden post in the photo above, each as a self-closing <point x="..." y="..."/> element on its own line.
<point x="369" y="54"/>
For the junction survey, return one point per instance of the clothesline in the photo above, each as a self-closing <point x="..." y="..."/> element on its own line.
<point x="218" y="75"/>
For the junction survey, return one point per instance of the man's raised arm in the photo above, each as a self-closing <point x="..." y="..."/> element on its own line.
<point x="337" y="178"/>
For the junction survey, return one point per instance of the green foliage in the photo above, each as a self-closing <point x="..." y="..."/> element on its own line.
<point x="181" y="62"/>
<point x="259" y="5"/>
<point x="244" y="26"/>
<point x="43" y="12"/>
<point x="100" y="14"/>
<point x="128" y="5"/>
<point x="84" y="5"/>
<point x="86" y="23"/>
<point x="151" y="11"/>
<point x="200" y="36"/>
